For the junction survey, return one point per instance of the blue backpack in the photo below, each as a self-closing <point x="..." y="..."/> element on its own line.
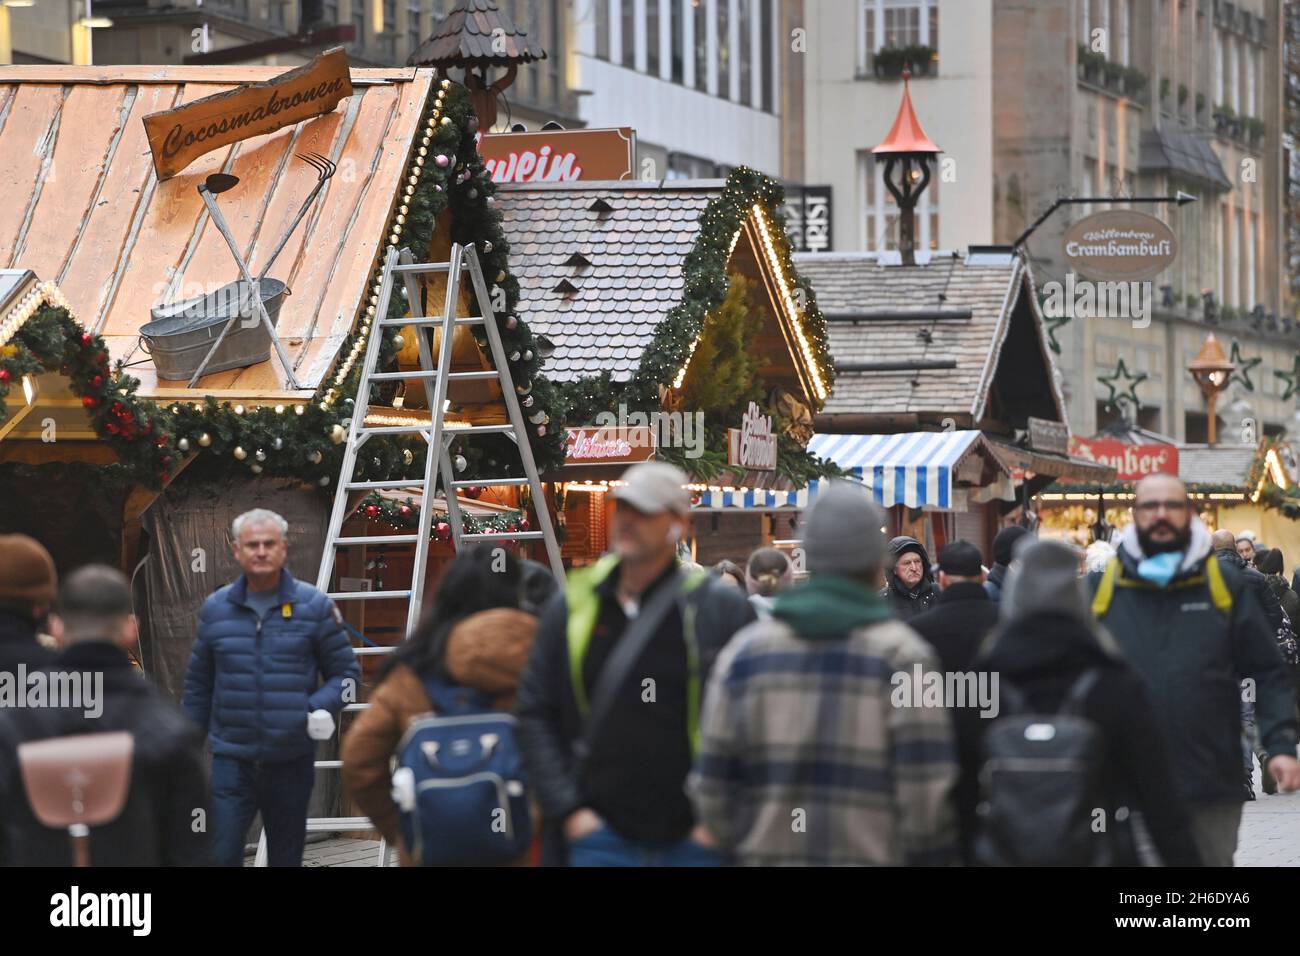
<point x="460" y="783"/>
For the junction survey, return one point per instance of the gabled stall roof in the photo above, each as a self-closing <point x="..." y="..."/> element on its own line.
<point x="880" y="314"/>
<point x="83" y="207"/>
<point x="635" y="237"/>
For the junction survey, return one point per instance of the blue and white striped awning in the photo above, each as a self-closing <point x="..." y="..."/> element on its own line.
<point x="910" y="468"/>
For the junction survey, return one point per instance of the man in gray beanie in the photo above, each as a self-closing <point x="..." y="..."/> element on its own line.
<point x="815" y="750"/>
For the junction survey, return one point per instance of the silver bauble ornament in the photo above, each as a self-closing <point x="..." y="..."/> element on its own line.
<point x="259" y="455"/>
<point x="183" y="444"/>
<point x="461" y="463"/>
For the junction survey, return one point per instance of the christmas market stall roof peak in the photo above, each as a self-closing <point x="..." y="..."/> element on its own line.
<point x="85" y="209"/>
<point x="920" y="343"/>
<point x="618" y="275"/>
<point x="90" y="222"/>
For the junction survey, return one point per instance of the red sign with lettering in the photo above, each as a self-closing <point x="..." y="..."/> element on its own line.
<point x="1130" y="461"/>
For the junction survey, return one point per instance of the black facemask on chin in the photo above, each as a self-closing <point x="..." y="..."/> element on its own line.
<point x="1179" y="542"/>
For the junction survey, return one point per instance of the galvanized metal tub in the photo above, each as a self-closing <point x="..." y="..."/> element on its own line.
<point x="181" y="333"/>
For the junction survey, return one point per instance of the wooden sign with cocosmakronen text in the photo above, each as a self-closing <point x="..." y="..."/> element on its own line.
<point x="179" y="136"/>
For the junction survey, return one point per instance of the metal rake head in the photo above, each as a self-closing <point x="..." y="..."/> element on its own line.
<point x="323" y="166"/>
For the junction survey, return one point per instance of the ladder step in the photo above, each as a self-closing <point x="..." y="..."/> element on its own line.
<point x="432" y="320"/>
<point x="508" y="535"/>
<point x="328" y="764"/>
<point x="477" y="429"/>
<point x="391" y="429"/>
<point x="339" y="823"/>
<point x="472" y="376"/>
<point x="386" y="485"/>
<point x="350" y="708"/>
<point x="391" y="376"/>
<point x="376" y="539"/>
<point x="418" y="267"/>
<point x="368" y="595"/>
<point x="489" y="482"/>
<point x="373" y="651"/>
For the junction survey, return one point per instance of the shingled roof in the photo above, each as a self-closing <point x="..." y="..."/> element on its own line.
<point x="464" y="38"/>
<point x="1216" y="465"/>
<point x="635" y="235"/>
<point x="879" y="313"/>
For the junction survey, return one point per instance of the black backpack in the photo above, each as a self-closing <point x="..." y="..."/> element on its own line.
<point x="1041" y="783"/>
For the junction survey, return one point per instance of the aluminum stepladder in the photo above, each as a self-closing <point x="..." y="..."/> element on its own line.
<point x="437" y="381"/>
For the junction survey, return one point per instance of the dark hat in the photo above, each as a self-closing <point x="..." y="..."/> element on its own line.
<point x="962" y="559"/>
<point x="27" y="575"/>
<point x="1004" y="541"/>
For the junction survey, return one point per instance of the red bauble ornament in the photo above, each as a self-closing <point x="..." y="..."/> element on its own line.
<point x="443" y="530"/>
<point x="111" y="427"/>
<point x="96" y="381"/>
<point x="86" y="339"/>
<point x="523" y="524"/>
<point x="101" y="358"/>
<point x="474" y="491"/>
<point x="167" y="461"/>
<point x="89" y="401"/>
<point x="4" y="374"/>
<point x="372" y="511"/>
<point x="404" y="510"/>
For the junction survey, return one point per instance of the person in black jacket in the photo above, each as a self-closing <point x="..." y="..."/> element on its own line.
<point x="164" y="819"/>
<point x="27" y="587"/>
<point x="1192" y="627"/>
<point x="1045" y="642"/>
<point x="909" y="585"/>
<point x="956" y="627"/>
<point x="624" y="803"/>
<point x="1003" y="543"/>
<point x="1228" y="550"/>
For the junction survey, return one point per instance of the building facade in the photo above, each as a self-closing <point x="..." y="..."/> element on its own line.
<point x="1035" y="100"/>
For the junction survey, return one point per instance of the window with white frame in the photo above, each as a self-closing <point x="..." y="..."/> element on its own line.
<point x="880" y="211"/>
<point x="896" y="25"/>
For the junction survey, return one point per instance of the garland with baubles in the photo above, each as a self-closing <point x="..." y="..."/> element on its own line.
<point x="305" y="440"/>
<point x="706" y="288"/>
<point x="405" y="515"/>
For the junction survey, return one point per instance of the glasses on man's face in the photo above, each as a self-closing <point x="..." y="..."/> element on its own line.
<point x="1151" y="507"/>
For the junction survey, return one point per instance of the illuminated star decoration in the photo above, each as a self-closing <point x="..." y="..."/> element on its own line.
<point x="1128" y="394"/>
<point x="1244" y="368"/>
<point x="1292" y="379"/>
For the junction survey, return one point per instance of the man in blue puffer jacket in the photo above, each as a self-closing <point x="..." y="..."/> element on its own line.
<point x="254" y="684"/>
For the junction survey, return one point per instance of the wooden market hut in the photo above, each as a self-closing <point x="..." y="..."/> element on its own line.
<point x="621" y="278"/>
<point x="147" y="473"/>
<point x="944" y="384"/>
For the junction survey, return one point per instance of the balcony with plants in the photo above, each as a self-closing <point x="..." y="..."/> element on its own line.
<point x="1116" y="78"/>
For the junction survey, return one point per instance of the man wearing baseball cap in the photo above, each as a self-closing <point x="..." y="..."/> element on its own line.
<point x="609" y="703"/>
<point x="28" y="585"/>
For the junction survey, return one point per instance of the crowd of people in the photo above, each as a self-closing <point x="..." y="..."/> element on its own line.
<point x="859" y="705"/>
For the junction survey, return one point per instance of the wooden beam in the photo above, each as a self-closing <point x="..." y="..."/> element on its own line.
<point x="95" y="452"/>
<point x="133" y="509"/>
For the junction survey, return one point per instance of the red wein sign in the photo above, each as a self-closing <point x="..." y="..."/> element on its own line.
<point x="1132" y="462"/>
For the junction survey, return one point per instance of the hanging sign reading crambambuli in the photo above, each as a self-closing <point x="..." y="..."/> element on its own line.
<point x="179" y="136"/>
<point x="559" y="156"/>
<point x="753" y="444"/>
<point x="1121" y="245"/>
